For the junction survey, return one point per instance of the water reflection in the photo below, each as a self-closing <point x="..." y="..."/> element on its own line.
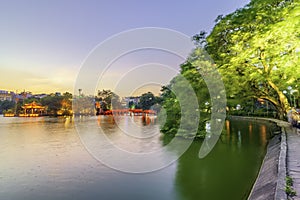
<point x="263" y="131"/>
<point x="148" y="120"/>
<point x="43" y="158"/>
<point x="225" y="173"/>
<point x="250" y="130"/>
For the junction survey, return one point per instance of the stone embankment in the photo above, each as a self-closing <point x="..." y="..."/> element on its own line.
<point x="282" y="159"/>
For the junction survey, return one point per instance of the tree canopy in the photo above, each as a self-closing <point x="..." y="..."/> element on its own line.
<point x="257" y="48"/>
<point x="147" y="100"/>
<point x="6" y="106"/>
<point x="108" y="99"/>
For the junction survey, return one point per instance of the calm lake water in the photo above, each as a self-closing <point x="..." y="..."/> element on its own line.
<point x="44" y="158"/>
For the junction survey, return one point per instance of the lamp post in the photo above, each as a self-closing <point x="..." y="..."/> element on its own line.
<point x="290" y="94"/>
<point x="294" y="97"/>
<point x="285" y="93"/>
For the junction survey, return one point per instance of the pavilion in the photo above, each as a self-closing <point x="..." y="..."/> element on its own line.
<point x="32" y="110"/>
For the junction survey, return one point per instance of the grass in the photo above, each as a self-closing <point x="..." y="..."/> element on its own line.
<point x="289" y="187"/>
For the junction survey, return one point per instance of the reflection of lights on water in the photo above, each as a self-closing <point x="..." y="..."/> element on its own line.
<point x="99" y="120"/>
<point x="263" y="130"/>
<point x="250" y="131"/>
<point x="67" y="122"/>
<point x="239" y="143"/>
<point x="250" y="128"/>
<point x="207" y="127"/>
<point x="147" y="120"/>
<point x="208" y="130"/>
<point x="227" y="125"/>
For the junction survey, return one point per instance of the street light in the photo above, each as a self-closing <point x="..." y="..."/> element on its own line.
<point x="291" y="97"/>
<point x="292" y="93"/>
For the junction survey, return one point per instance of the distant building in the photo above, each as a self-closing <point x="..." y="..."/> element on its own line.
<point x="126" y="101"/>
<point x="6" y="95"/>
<point x="25" y="95"/>
<point x="40" y="96"/>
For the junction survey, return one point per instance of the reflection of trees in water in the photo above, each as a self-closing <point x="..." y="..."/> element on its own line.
<point x="106" y="121"/>
<point x="146" y="120"/>
<point x="246" y="132"/>
<point x="229" y="171"/>
<point x="204" y="178"/>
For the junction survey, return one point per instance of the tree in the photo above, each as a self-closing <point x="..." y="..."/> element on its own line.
<point x="109" y="100"/>
<point x="6" y="106"/>
<point x="131" y="105"/>
<point x="257" y="51"/>
<point x="187" y="96"/>
<point x="67" y="95"/>
<point x="30" y="100"/>
<point x="66" y="104"/>
<point x="53" y="104"/>
<point x="147" y="100"/>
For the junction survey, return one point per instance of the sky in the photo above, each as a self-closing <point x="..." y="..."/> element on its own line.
<point x="44" y="43"/>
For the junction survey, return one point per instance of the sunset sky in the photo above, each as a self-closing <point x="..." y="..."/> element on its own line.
<point x="43" y="43"/>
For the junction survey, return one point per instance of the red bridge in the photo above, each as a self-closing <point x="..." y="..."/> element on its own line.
<point x="128" y="112"/>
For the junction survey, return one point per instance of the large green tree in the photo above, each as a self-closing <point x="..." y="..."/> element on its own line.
<point x="147" y="100"/>
<point x="187" y="97"/>
<point x="257" y="51"/>
<point x="109" y="100"/>
<point x="6" y="106"/>
<point x="56" y="104"/>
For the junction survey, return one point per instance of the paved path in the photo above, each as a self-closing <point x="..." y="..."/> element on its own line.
<point x="266" y="182"/>
<point x="293" y="153"/>
<point x="293" y="158"/>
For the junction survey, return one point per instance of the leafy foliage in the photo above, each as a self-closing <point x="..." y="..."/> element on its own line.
<point x="257" y="50"/>
<point x="187" y="96"/>
<point x="147" y="100"/>
<point x="6" y="106"/>
<point x="57" y="105"/>
<point x="108" y="100"/>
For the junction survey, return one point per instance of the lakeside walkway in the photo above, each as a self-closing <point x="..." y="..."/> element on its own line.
<point x="293" y="158"/>
<point x="292" y="154"/>
<point x="287" y="163"/>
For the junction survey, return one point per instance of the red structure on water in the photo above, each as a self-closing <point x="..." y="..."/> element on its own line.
<point x="131" y="112"/>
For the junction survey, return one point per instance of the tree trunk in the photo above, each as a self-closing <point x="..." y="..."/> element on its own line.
<point x="283" y="105"/>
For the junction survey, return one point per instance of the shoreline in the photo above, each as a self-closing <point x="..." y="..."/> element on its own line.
<point x="271" y="179"/>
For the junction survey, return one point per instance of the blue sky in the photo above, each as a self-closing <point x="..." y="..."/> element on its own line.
<point x="44" y="42"/>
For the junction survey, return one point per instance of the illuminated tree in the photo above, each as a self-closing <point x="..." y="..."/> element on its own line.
<point x="109" y="100"/>
<point x="257" y="51"/>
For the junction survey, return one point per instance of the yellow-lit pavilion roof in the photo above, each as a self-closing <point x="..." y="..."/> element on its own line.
<point x="33" y="105"/>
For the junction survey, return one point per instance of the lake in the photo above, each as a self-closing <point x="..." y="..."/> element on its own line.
<point x="45" y="158"/>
